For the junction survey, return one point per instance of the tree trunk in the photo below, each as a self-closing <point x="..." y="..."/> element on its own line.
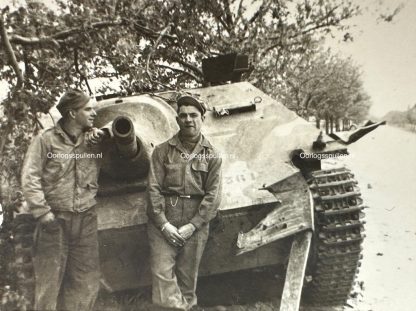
<point x="11" y="161"/>
<point x="327" y="125"/>
<point x="332" y="124"/>
<point x="318" y="123"/>
<point x="5" y="190"/>
<point x="337" y="125"/>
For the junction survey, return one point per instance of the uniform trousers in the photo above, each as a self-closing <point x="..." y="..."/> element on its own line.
<point x="175" y="269"/>
<point x="66" y="262"/>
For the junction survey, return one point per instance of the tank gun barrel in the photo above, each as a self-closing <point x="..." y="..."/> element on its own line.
<point x="128" y="156"/>
<point x="125" y="137"/>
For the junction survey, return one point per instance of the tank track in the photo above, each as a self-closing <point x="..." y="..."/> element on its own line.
<point x="339" y="232"/>
<point x="23" y="228"/>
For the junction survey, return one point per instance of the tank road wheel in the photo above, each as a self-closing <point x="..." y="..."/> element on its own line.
<point x="23" y="228"/>
<point x="336" y="247"/>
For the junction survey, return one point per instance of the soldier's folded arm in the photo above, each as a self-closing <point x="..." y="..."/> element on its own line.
<point x="34" y="163"/>
<point x="212" y="198"/>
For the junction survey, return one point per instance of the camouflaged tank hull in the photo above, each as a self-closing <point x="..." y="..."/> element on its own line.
<point x="269" y="194"/>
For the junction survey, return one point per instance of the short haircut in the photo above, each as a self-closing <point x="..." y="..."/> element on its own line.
<point x="72" y="99"/>
<point x="187" y="100"/>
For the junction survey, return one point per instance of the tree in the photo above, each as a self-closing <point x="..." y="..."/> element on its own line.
<point x="325" y="86"/>
<point x="411" y="117"/>
<point x="145" y="45"/>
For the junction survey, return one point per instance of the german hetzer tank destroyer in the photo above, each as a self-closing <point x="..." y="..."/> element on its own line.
<point x="278" y="205"/>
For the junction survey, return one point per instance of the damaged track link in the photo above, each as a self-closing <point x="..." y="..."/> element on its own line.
<point x="339" y="232"/>
<point x="23" y="229"/>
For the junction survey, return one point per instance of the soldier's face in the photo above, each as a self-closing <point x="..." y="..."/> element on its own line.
<point x="190" y="121"/>
<point x="84" y="117"/>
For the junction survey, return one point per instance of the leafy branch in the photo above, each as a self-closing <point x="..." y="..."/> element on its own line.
<point x="10" y="53"/>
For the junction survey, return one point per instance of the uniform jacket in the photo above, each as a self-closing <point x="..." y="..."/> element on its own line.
<point x="174" y="171"/>
<point x="60" y="175"/>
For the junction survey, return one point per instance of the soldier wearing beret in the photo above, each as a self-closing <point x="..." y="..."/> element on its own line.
<point x="60" y="185"/>
<point x="184" y="192"/>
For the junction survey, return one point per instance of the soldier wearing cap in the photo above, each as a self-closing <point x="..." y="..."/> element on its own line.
<point x="184" y="192"/>
<point x="60" y="187"/>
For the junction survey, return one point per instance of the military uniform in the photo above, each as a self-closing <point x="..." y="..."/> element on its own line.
<point x="66" y="261"/>
<point x="184" y="187"/>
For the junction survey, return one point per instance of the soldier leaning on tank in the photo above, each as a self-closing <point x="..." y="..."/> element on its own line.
<point x="184" y="192"/>
<point x="60" y="189"/>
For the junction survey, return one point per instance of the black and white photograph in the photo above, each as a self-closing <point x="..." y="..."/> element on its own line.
<point x="207" y="155"/>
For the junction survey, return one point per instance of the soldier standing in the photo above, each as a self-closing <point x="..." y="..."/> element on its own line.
<point x="184" y="192"/>
<point x="60" y="183"/>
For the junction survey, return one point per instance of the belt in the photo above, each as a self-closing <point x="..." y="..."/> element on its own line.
<point x="183" y="196"/>
<point x="190" y="196"/>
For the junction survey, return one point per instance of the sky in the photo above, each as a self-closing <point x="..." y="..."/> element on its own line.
<point x="386" y="52"/>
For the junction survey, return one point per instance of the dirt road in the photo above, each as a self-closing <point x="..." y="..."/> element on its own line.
<point x="384" y="163"/>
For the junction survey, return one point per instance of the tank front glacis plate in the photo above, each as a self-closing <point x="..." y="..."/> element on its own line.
<point x="256" y="145"/>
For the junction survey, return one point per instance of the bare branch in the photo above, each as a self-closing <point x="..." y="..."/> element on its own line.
<point x="222" y="22"/>
<point x="55" y="39"/>
<point x="306" y="31"/>
<point x="228" y="15"/>
<point x="188" y="65"/>
<point x="273" y="46"/>
<point x="262" y="9"/>
<point x="151" y="33"/>
<point x="167" y="28"/>
<point x="43" y="84"/>
<point x="318" y="24"/>
<point x="239" y="14"/>
<point x="181" y="71"/>
<point x="106" y="75"/>
<point x="81" y="75"/>
<point x="27" y="67"/>
<point x="44" y="41"/>
<point x="10" y="54"/>
<point x="73" y="31"/>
